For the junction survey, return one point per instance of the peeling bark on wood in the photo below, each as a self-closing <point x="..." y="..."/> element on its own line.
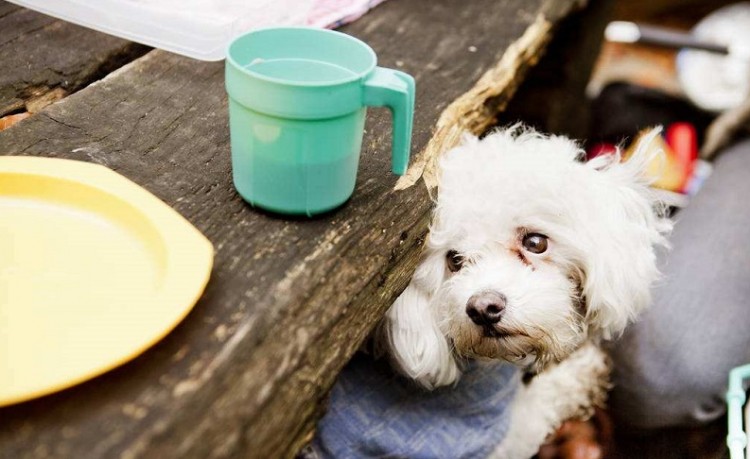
<point x="289" y="301"/>
<point x="477" y="109"/>
<point x="551" y="97"/>
<point x="41" y="55"/>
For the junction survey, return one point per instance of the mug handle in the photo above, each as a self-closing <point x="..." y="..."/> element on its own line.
<point x="394" y="89"/>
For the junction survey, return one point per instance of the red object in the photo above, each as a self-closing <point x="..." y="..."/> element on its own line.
<point x="683" y="140"/>
<point x="601" y="149"/>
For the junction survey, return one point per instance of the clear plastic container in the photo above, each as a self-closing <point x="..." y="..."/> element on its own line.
<point x="201" y="29"/>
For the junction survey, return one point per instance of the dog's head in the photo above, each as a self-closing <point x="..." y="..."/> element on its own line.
<point x="530" y="252"/>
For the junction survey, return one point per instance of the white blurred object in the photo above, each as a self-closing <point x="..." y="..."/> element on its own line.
<point x="633" y="32"/>
<point x="201" y="29"/>
<point x="713" y="81"/>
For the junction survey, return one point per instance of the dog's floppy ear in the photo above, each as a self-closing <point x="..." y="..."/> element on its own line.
<point x="410" y="334"/>
<point x="620" y="262"/>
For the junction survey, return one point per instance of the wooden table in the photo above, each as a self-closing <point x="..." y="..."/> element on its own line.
<point x="289" y="301"/>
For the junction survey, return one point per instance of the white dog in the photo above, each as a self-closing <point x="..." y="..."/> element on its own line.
<point x="532" y="258"/>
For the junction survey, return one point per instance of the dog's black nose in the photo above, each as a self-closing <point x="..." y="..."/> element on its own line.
<point x="486" y="307"/>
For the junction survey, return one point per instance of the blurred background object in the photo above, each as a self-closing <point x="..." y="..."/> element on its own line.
<point x="713" y="81"/>
<point x="700" y="97"/>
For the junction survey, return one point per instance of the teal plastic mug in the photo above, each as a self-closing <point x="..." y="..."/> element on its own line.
<point x="297" y="106"/>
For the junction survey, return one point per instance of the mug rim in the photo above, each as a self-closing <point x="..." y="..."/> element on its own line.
<point x="230" y="58"/>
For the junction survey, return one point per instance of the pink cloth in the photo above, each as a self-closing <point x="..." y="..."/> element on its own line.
<point x="334" y="13"/>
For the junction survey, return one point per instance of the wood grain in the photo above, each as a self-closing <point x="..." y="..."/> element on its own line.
<point x="44" y="59"/>
<point x="289" y="300"/>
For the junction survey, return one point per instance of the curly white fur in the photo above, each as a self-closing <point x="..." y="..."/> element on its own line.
<point x="602" y="224"/>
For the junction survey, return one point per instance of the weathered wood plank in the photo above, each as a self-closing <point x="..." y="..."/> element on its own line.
<point x="289" y="300"/>
<point x="43" y="59"/>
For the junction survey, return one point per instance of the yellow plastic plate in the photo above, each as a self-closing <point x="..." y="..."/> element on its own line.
<point x="93" y="270"/>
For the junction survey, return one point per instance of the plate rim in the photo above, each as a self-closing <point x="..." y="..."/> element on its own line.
<point x="189" y="253"/>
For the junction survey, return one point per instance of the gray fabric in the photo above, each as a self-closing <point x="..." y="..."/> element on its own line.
<point x="671" y="367"/>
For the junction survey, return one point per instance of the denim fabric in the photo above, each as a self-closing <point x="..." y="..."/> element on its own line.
<point x="376" y="413"/>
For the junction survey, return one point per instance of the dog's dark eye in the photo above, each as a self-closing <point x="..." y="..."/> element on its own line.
<point x="535" y="242"/>
<point x="454" y="260"/>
